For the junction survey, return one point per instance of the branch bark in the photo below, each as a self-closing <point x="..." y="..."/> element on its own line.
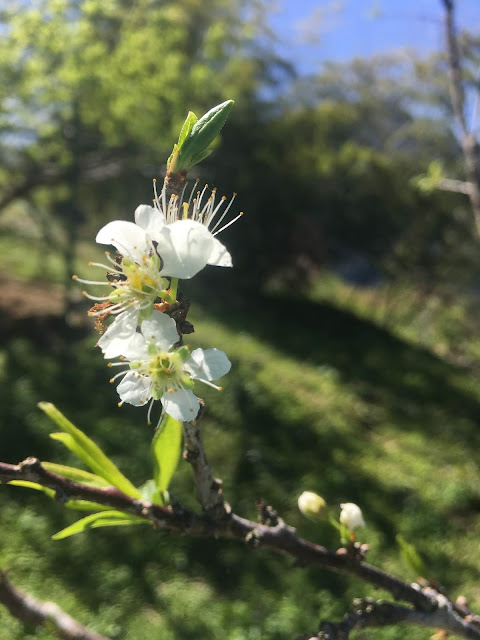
<point x="28" y="609"/>
<point x="469" y="142"/>
<point x="280" y="539"/>
<point x="369" y="613"/>
<point x="208" y="489"/>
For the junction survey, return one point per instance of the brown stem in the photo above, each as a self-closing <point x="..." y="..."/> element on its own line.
<point x="28" y="609"/>
<point x="208" y="489"/>
<point x="281" y="538"/>
<point x="174" y="184"/>
<point x="369" y="613"/>
<point x="470" y="146"/>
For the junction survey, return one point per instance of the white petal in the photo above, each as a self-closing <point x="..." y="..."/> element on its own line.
<point x="116" y="338"/>
<point x="209" y="364"/>
<point x="181" y="404"/>
<point x="185" y="248"/>
<point x="160" y="330"/>
<point x="150" y="220"/>
<point x="135" y="389"/>
<point x="130" y="240"/>
<point x="219" y="256"/>
<point x="136" y="348"/>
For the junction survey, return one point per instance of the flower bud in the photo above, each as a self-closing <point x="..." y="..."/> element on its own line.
<point x="351" y="515"/>
<point x="312" y="505"/>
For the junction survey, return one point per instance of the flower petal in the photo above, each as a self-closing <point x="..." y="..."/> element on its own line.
<point x="185" y="248"/>
<point x="130" y="239"/>
<point x="209" y="364"/>
<point x="136" y="348"/>
<point x="181" y="405"/>
<point x="135" y="389"/>
<point x="150" y="220"/>
<point x="114" y="341"/>
<point x="160" y="330"/>
<point x="219" y="256"/>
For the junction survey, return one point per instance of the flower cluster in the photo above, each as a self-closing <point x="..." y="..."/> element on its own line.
<point x="167" y="242"/>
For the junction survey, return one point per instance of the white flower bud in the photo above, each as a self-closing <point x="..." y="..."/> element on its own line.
<point x="312" y="505"/>
<point x="351" y="515"/>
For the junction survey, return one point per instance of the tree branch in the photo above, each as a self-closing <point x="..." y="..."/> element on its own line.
<point x="369" y="613"/>
<point x="470" y="146"/>
<point x="457" y="186"/>
<point x="280" y="539"/>
<point x="208" y="489"/>
<point x="37" y="613"/>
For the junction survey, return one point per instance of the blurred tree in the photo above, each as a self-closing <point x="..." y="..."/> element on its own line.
<point x="91" y="91"/>
<point x="330" y="182"/>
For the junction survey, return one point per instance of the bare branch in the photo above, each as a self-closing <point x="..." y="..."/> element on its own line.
<point x="369" y="613"/>
<point x="280" y="538"/>
<point x="208" y="491"/>
<point x="470" y="146"/>
<point x="457" y="94"/>
<point x="457" y="186"/>
<point x="37" y="613"/>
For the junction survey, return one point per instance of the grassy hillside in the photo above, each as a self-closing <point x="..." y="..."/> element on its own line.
<point x="318" y="399"/>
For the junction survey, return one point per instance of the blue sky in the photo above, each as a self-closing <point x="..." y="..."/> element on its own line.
<point x="312" y="31"/>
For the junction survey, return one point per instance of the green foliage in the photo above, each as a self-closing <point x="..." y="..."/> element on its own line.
<point x="166" y="449"/>
<point x="103" y="519"/>
<point x="196" y="136"/>
<point x="83" y="447"/>
<point x="410" y="557"/>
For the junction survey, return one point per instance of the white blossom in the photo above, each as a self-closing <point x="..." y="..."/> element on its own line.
<point x="158" y="372"/>
<point x="312" y="505"/>
<point x="351" y="515"/>
<point x="150" y="251"/>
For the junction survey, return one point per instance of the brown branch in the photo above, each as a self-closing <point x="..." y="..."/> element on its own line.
<point x="28" y="609"/>
<point x="280" y="538"/>
<point x="207" y="488"/>
<point x="470" y="146"/>
<point x="457" y="186"/>
<point x="369" y="613"/>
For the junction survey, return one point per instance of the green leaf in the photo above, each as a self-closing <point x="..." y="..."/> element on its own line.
<point x="79" y="505"/>
<point x="104" y="519"/>
<point x="187" y="128"/>
<point x="166" y="449"/>
<point x="149" y="491"/>
<point x="203" y="132"/>
<point x="411" y="557"/>
<point x="88" y="451"/>
<point x="200" y="156"/>
<point x="33" y="485"/>
<point x="76" y="475"/>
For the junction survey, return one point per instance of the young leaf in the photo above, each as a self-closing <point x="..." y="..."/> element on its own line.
<point x="104" y="519"/>
<point x="149" y="492"/>
<point x="410" y="557"/>
<point x="79" y="505"/>
<point x="187" y="128"/>
<point x="76" y="475"/>
<point x="166" y="448"/>
<point x="88" y="451"/>
<point x="203" y="132"/>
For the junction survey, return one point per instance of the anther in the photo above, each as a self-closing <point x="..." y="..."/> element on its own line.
<point x="74" y="277"/>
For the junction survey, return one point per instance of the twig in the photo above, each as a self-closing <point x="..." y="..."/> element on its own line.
<point x="368" y="613"/>
<point x="280" y="538"/>
<point x="37" y="613"/>
<point x="470" y="146"/>
<point x="208" y="489"/>
<point x="457" y="186"/>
